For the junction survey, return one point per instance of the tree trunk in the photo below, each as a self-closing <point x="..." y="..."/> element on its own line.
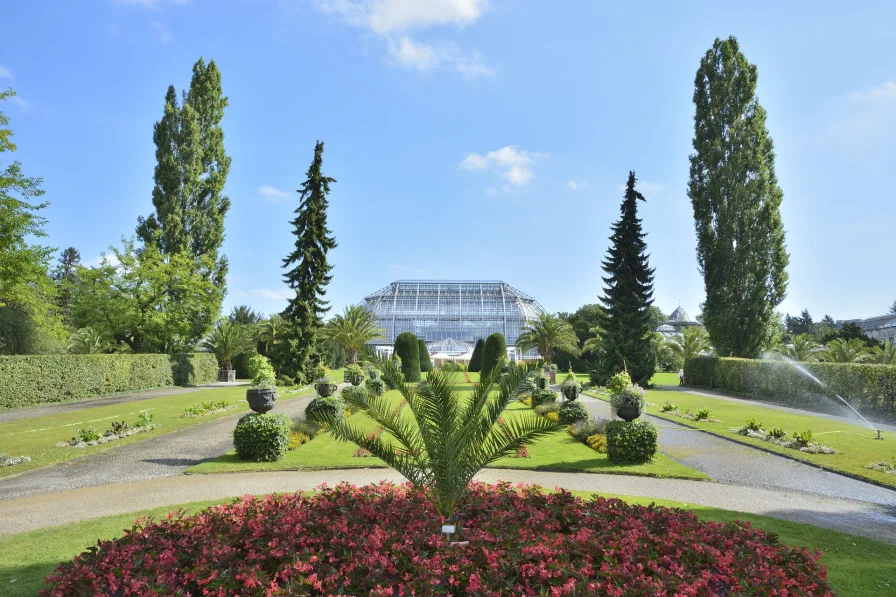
<point x="352" y="357"/>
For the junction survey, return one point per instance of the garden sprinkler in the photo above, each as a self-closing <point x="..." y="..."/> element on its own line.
<point x="878" y="434"/>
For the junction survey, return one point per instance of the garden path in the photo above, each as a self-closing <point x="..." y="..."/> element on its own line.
<point x="66" y="407"/>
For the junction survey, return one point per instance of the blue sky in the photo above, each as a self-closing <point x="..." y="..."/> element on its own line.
<point x="471" y="139"/>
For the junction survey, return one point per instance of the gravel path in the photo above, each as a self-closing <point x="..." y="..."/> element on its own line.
<point x="67" y="407"/>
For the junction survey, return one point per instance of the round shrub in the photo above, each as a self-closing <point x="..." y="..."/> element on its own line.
<point x="631" y="442"/>
<point x="408" y="351"/>
<point x="375" y="386"/>
<point x="573" y="412"/>
<point x="354" y="393"/>
<point x="262" y="437"/>
<point x="324" y="408"/>
<point x="521" y="542"/>
<point x="495" y="349"/>
<point x="542" y="396"/>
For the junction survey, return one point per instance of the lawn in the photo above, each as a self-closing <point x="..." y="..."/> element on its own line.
<point x="558" y="451"/>
<point x="854" y="444"/>
<point x="37" y="437"/>
<point x="856" y="566"/>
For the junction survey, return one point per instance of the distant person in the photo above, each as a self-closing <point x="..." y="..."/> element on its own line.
<point x="681" y="377"/>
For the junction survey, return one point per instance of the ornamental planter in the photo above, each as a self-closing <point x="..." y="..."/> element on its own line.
<point x="542" y="383"/>
<point x="628" y="412"/>
<point x="356" y="379"/>
<point x="226" y="375"/>
<point x="261" y="401"/>
<point x="325" y="389"/>
<point x="571" y="392"/>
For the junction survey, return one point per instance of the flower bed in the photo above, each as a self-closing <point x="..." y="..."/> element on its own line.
<point x="803" y="442"/>
<point x="118" y="430"/>
<point x="204" y="409"/>
<point x="703" y="414"/>
<point x="384" y="540"/>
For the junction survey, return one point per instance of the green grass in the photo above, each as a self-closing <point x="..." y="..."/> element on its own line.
<point x="856" y="566"/>
<point x="664" y="379"/>
<point x="854" y="444"/>
<point x="557" y="451"/>
<point x="36" y="437"/>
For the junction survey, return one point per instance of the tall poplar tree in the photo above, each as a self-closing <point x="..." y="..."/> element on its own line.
<point x="736" y="199"/>
<point x="628" y="295"/>
<point x="190" y="174"/>
<point x="307" y="270"/>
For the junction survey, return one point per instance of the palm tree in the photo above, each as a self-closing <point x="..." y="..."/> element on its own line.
<point x="593" y="343"/>
<point x="88" y="341"/>
<point x="270" y="332"/>
<point x="690" y="343"/>
<point x="841" y="350"/>
<point x="229" y="340"/>
<point x="352" y="330"/>
<point x="548" y="333"/>
<point x="804" y="348"/>
<point x="884" y="355"/>
<point x="441" y="437"/>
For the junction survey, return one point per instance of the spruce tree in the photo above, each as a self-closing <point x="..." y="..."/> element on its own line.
<point x="65" y="276"/>
<point x="736" y="199"/>
<point x="476" y="357"/>
<point x="628" y="296"/>
<point x="307" y="270"/>
<point x="425" y="361"/>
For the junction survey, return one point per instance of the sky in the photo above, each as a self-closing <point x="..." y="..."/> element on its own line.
<point x="471" y="139"/>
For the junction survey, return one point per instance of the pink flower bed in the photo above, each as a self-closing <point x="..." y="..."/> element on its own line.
<point x="384" y="540"/>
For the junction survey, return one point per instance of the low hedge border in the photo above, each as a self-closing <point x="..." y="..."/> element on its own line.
<point x="39" y="379"/>
<point x="865" y="386"/>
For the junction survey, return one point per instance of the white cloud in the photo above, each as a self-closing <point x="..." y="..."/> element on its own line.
<point x="513" y="163"/>
<point x="17" y="100"/>
<point x="392" y="20"/>
<point x="161" y="31"/>
<point x="104" y="259"/>
<point x="282" y="295"/>
<point x="270" y="193"/>
<point x="5" y="73"/>
<point x="885" y="92"/>
<point x="576" y="185"/>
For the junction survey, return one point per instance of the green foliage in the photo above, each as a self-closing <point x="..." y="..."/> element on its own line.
<point x="736" y="199"/>
<point x="229" y="340"/>
<point x="88" y="341"/>
<point x="262" y="437"/>
<point x="802" y="439"/>
<point x="668" y="407"/>
<point x="585" y="429"/>
<point x="65" y="275"/>
<point x="350" y="393"/>
<point x="476" y="357"/>
<point x="86" y="435"/>
<point x="691" y="343"/>
<point x="702" y="414"/>
<point x="546" y="334"/>
<point x="542" y="396"/>
<point x="325" y="408"/>
<point x="547" y="407"/>
<point x="407" y="350"/>
<point x="619" y="382"/>
<point x="625" y="341"/>
<point x="307" y="269"/>
<point x="631" y="396"/>
<point x="375" y="386"/>
<point x="842" y="350"/>
<point x="572" y="412"/>
<point x="30" y="380"/>
<point x="244" y="315"/>
<point x="494" y="351"/>
<point x="144" y="419"/>
<point x="868" y="387"/>
<point x="631" y="442"/>
<point x="261" y="371"/>
<point x="425" y="361"/>
<point x="352" y="329"/>
<point x="449" y="435"/>
<point x="801" y="348"/>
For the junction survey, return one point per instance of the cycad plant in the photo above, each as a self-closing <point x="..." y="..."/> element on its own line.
<point x="229" y="340"/>
<point x="441" y="437"/>
<point x="692" y="341"/>
<point x="884" y="355"/>
<point x="548" y="333"/>
<point x="803" y="348"/>
<point x="270" y="332"/>
<point x="354" y="328"/>
<point x="88" y="341"/>
<point x="841" y="350"/>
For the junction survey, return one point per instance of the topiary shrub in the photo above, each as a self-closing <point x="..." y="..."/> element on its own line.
<point x="375" y="386"/>
<point x="323" y="408"/>
<point x="407" y="349"/>
<point x="542" y="396"/>
<point x="619" y="382"/>
<point x="354" y="393"/>
<point x="423" y="352"/>
<point x="572" y="412"/>
<point x="262" y="437"/>
<point x="476" y="357"/>
<point x="495" y="349"/>
<point x="631" y="442"/>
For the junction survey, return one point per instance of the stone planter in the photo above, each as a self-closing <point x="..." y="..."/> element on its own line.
<point x="226" y="375"/>
<point x="543" y="383"/>
<point x="628" y="412"/>
<point x="325" y="389"/>
<point x="571" y="392"/>
<point x="356" y="380"/>
<point x="261" y="401"/>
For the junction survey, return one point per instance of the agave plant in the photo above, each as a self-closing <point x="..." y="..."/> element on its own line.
<point x="440" y="438"/>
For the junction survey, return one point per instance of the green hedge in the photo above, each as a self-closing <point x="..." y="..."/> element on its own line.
<point x="495" y="349"/>
<point x="867" y="387"/>
<point x="631" y="442"/>
<point x="409" y="352"/>
<point x="38" y="379"/>
<point x="476" y="357"/>
<point x="425" y="361"/>
<point x="262" y="437"/>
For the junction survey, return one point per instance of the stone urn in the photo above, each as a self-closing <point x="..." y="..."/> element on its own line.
<point x="628" y="411"/>
<point x="571" y="391"/>
<point x="261" y="400"/>
<point x="356" y="379"/>
<point x="543" y="383"/>
<point x="226" y="375"/>
<point x="325" y="389"/>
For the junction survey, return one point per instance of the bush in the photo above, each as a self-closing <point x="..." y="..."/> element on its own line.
<point x="572" y="412"/>
<point x="262" y="437"/>
<point x="261" y="371"/>
<point x="407" y="350"/>
<point x="631" y="442"/>
<point x="423" y="352"/>
<point x="38" y="379"/>
<point x="585" y="429"/>
<point x="630" y="396"/>
<point x="476" y="357"/>
<point x="495" y="349"/>
<point x="375" y="386"/>
<point x="619" y="382"/>
<point x="322" y="408"/>
<point x="867" y="387"/>
<point x="547" y="407"/>
<point x="306" y="426"/>
<point x="285" y="380"/>
<point x="542" y="396"/>
<point x="598" y="443"/>
<point x="354" y="393"/>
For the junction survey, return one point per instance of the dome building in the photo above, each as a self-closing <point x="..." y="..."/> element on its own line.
<point x="678" y="320"/>
<point x="450" y="312"/>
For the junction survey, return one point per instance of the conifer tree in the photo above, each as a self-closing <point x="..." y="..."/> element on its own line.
<point x="307" y="270"/>
<point x="736" y="200"/>
<point x="65" y="276"/>
<point x="627" y="296"/>
<point x="425" y="361"/>
<point x="493" y="351"/>
<point x="476" y="357"/>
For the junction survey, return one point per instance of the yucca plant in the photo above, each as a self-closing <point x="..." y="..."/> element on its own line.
<point x="441" y="437"/>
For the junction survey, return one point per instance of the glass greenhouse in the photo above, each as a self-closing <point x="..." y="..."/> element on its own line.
<point x="438" y="310"/>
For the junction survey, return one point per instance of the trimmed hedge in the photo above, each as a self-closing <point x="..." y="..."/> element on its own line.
<point x="631" y="442"/>
<point x="867" y="387"/>
<point x="323" y="408"/>
<point x="495" y="350"/>
<point x="409" y="352"/>
<point x="543" y="396"/>
<point x="262" y="437"/>
<point x="423" y="351"/>
<point x="38" y="379"/>
<point x="573" y="412"/>
<point x="476" y="357"/>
